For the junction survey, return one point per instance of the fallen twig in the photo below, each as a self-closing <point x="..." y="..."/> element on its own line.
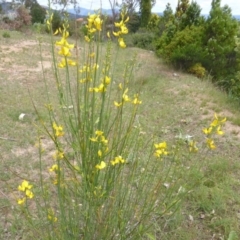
<point x="9" y="139"/>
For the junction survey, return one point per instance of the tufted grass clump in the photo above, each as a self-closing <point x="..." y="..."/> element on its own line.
<point x="106" y="178"/>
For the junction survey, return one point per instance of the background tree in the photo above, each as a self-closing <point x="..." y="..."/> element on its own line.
<point x="220" y="32"/>
<point x="166" y="19"/>
<point x="192" y="16"/>
<point x="181" y="8"/>
<point x="114" y="5"/>
<point x="145" y="12"/>
<point x="38" y="13"/>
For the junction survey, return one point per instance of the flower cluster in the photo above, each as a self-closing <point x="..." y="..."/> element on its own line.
<point x="94" y="25"/>
<point x="103" y="86"/>
<point x="58" y="130"/>
<point x="51" y="215"/>
<point x="99" y="137"/>
<point x="49" y="20"/>
<point x="65" y="48"/>
<point x="26" y="188"/>
<point x="214" y="128"/>
<point x="193" y="147"/>
<point x="161" y="149"/>
<point x="55" y="169"/>
<point x="126" y="98"/>
<point x="59" y="154"/>
<point x="122" y="30"/>
<point x="102" y="147"/>
<point x="118" y="160"/>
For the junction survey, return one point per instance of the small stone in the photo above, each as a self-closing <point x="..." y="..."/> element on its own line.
<point x="21" y="116"/>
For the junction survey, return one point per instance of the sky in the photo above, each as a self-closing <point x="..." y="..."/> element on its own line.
<point x="159" y="6"/>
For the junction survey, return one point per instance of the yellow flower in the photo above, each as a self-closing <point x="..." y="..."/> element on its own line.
<point x="120" y="24"/>
<point x="207" y="131"/>
<point x="51" y="215"/>
<point x="64" y="51"/>
<point x="29" y="194"/>
<point x="95" y="66"/>
<point x="193" y="147"/>
<point x="117" y="160"/>
<point x="56" y="32"/>
<point x="65" y="62"/>
<point x="104" y="140"/>
<point x="124" y="29"/>
<point x="99" y="133"/>
<point x="24" y="186"/>
<point x="99" y="153"/>
<point x="54" y="168"/>
<point x="210" y="143"/>
<point x="125" y="96"/>
<point x="94" y="139"/>
<point x="64" y="43"/>
<point x="107" y="80"/>
<point x="217" y="121"/>
<point x="100" y="166"/>
<point x="160" y="149"/>
<point x="127" y="19"/>
<point x="108" y="34"/>
<point x="117" y="104"/>
<point x="87" y="39"/>
<point x="162" y="145"/>
<point x="92" y="30"/>
<point x="121" y="43"/>
<point x="136" y="100"/>
<point x="58" y="154"/>
<point x="98" y="23"/>
<point x="101" y="88"/>
<point x="21" y="201"/>
<point x="116" y="34"/>
<point x="58" y="130"/>
<point x="219" y="131"/>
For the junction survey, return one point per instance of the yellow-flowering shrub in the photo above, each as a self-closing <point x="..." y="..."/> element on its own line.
<point x="105" y="179"/>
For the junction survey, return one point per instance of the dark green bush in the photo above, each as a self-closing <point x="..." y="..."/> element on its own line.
<point x="220" y="32"/>
<point x="185" y="49"/>
<point x="134" y="23"/>
<point x="144" y="39"/>
<point x="38" y="13"/>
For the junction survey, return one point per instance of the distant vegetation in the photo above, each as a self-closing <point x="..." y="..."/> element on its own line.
<point x="184" y="38"/>
<point x="196" y="44"/>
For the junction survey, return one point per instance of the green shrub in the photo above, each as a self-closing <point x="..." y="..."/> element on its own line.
<point x="220" y="31"/>
<point x="6" y="35"/>
<point x="185" y="48"/>
<point x="144" y="39"/>
<point x="134" y="23"/>
<point x="153" y="22"/>
<point x="39" y="27"/>
<point x="198" y="70"/>
<point x="38" y="13"/>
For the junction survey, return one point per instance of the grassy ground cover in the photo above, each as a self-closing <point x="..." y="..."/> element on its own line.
<point x="174" y="106"/>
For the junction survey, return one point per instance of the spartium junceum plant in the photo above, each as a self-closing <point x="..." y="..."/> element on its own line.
<point x="106" y="178"/>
